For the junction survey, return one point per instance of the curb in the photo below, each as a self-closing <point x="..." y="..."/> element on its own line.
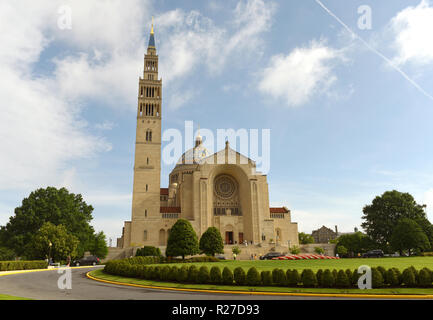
<point x="7" y="273"/>
<point x="322" y="295"/>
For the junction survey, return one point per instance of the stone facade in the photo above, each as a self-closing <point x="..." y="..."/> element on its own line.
<point x="324" y="234"/>
<point x="221" y="189"/>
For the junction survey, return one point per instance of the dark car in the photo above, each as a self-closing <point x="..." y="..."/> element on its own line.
<point x="373" y="254"/>
<point x="86" y="261"/>
<point x="270" y="255"/>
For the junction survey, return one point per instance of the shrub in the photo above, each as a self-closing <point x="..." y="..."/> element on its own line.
<point x="165" y="273"/>
<point x="391" y="278"/>
<point x="355" y="277"/>
<point x="415" y="272"/>
<point x="253" y="277"/>
<point x="424" y="278"/>
<point x="182" y="274"/>
<point x="266" y="278"/>
<point x="147" y="251"/>
<point x="319" y="275"/>
<point x="342" y="280"/>
<point x="376" y="278"/>
<point x="279" y="277"/>
<point x="335" y="273"/>
<point x="308" y="278"/>
<point x="211" y="242"/>
<point x="172" y="276"/>
<point x="157" y="273"/>
<point x="319" y="250"/>
<point x="349" y="276"/>
<point x="294" y="278"/>
<point x="408" y="277"/>
<point x="399" y="275"/>
<point x="227" y="276"/>
<point x="215" y="275"/>
<point x="382" y="271"/>
<point x="20" y="265"/>
<point x="203" y="275"/>
<point x="193" y="274"/>
<point x="294" y="250"/>
<point x="239" y="276"/>
<point x="328" y="280"/>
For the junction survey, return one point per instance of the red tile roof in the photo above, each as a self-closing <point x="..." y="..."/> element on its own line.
<point x="278" y="210"/>
<point x="169" y="210"/>
<point x="164" y="191"/>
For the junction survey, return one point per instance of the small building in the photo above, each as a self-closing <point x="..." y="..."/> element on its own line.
<point x="324" y="234"/>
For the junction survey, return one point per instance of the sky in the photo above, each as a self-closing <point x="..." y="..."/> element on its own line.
<point x="344" y="87"/>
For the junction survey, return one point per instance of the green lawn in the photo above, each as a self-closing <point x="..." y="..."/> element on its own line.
<point x="400" y="263"/>
<point x="391" y="291"/>
<point x="8" y="297"/>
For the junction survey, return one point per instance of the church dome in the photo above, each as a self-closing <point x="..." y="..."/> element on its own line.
<point x="194" y="155"/>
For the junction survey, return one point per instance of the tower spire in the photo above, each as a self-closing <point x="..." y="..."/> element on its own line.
<point x="152" y="37"/>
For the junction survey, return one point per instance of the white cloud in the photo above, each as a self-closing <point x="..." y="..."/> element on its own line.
<point x="412" y="27"/>
<point x="303" y="73"/>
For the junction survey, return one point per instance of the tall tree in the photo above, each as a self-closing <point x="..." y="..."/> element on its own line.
<point x="305" y="238"/>
<point x="211" y="242"/>
<point x="57" y="206"/>
<point x="182" y="240"/>
<point x="98" y="245"/>
<point x="355" y="243"/>
<point x="408" y="235"/>
<point x="383" y="214"/>
<point x="52" y="241"/>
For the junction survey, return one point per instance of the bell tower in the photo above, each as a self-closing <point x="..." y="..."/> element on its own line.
<point x="147" y="167"/>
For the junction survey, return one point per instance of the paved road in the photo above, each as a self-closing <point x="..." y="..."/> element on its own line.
<point x="43" y="286"/>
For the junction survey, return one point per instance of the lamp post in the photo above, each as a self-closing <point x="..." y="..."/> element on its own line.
<point x="49" y="254"/>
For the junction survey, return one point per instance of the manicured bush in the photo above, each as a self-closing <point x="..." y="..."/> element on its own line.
<point x="376" y="278"/>
<point x="266" y="278"/>
<point x="227" y="276"/>
<point x="391" y="278"/>
<point x="328" y="280"/>
<point x="203" y="275"/>
<point x="382" y="271"/>
<point x="182" y="274"/>
<point x="193" y="274"/>
<point x="415" y="272"/>
<point x="239" y="276"/>
<point x="253" y="277"/>
<point x="22" y="265"/>
<point x="157" y="273"/>
<point x="294" y="278"/>
<point x="308" y="278"/>
<point x="335" y="273"/>
<point x="349" y="276"/>
<point x="148" y="251"/>
<point x="408" y="278"/>
<point x="164" y="275"/>
<point x="399" y="275"/>
<point x="279" y="277"/>
<point x="342" y="280"/>
<point x="215" y="275"/>
<point x="172" y="276"/>
<point x="424" y="278"/>
<point x="319" y="275"/>
<point x="355" y="277"/>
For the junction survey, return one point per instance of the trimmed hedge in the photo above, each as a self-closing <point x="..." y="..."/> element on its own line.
<point x="141" y="267"/>
<point x="22" y="265"/>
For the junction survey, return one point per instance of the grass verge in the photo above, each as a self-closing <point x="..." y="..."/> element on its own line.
<point x="100" y="274"/>
<point x="8" y="297"/>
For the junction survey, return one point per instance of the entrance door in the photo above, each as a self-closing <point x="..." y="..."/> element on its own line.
<point x="241" y="237"/>
<point x="229" y="237"/>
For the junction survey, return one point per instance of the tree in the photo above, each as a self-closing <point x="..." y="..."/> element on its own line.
<point x="236" y="250"/>
<point x="408" y="235"/>
<point x="294" y="250"/>
<point x="305" y="238"/>
<point x="319" y="250"/>
<point x="355" y="243"/>
<point x="383" y="214"/>
<point x="6" y="254"/>
<point x="182" y="240"/>
<point x="98" y="245"/>
<point x="211" y="242"/>
<point x="57" y="206"/>
<point x="63" y="244"/>
<point x="341" y="250"/>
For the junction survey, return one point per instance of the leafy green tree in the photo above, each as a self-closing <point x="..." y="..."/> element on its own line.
<point x="57" y="206"/>
<point x="236" y="250"/>
<point x="319" y="250"/>
<point x="355" y="243"/>
<point x="63" y="244"/>
<point x="6" y="254"/>
<point x="408" y="235"/>
<point x="182" y="240"/>
<point x="342" y="251"/>
<point x="294" y="250"/>
<point x="383" y="214"/>
<point x="98" y="245"/>
<point x="305" y="238"/>
<point x="211" y="242"/>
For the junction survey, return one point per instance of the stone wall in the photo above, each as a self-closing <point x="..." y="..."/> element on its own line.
<point x="309" y="248"/>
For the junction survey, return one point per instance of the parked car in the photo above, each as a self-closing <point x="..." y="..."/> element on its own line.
<point x="86" y="261"/>
<point x="373" y="254"/>
<point x="220" y="256"/>
<point x="271" y="255"/>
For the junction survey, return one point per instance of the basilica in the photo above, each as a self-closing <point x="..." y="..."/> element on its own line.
<point x="222" y="190"/>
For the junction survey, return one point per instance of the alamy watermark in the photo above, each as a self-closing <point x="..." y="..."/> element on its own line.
<point x="252" y="144"/>
<point x="65" y="280"/>
<point x="365" y="280"/>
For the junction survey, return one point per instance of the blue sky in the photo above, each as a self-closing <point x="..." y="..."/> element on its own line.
<point x="349" y="118"/>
